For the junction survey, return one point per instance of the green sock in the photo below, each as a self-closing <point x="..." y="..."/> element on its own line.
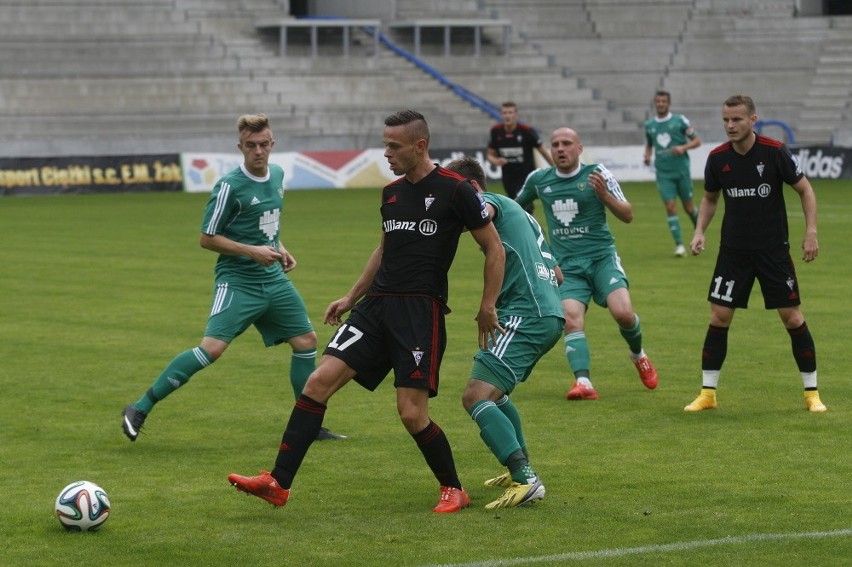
<point x="508" y="408"/>
<point x="495" y="429"/>
<point x="577" y="351"/>
<point x="302" y="363"/>
<point x="674" y="226"/>
<point x="176" y="374"/>
<point x="633" y="335"/>
<point x="520" y="469"/>
<point x="694" y="216"/>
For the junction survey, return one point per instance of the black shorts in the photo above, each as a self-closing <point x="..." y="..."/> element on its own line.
<point x="403" y="333"/>
<point x="735" y="272"/>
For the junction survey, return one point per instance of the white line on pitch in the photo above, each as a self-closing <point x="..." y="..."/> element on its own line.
<point x="622" y="551"/>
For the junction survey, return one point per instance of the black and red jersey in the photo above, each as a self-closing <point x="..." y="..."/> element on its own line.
<point x="517" y="147"/>
<point x="755" y="213"/>
<point x="422" y="223"/>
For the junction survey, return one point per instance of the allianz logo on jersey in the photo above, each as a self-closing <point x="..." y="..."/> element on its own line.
<point x="762" y="191"/>
<point x="426" y="227"/>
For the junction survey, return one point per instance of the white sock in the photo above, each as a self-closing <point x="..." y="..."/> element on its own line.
<point x="584" y="381"/>
<point x="809" y="379"/>
<point x="634" y="356"/>
<point x="710" y="378"/>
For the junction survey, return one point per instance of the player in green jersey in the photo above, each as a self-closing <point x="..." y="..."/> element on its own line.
<point x="575" y="198"/>
<point x="531" y="319"/>
<point x="670" y="137"/>
<point x="241" y="224"/>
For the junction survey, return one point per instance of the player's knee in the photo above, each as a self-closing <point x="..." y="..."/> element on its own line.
<point x="470" y="397"/>
<point x="792" y="318"/>
<point x="214" y="347"/>
<point x="413" y="422"/>
<point x="306" y="341"/>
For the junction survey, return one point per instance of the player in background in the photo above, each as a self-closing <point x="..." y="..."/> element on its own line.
<point x="749" y="171"/>
<point x="530" y="313"/>
<point x="510" y="147"/>
<point x="398" y="306"/>
<point x="670" y="137"/>
<point x="575" y="198"/>
<point x="241" y="224"/>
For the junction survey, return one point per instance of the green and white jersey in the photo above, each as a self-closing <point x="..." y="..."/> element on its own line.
<point x="576" y="218"/>
<point x="529" y="284"/>
<point x="664" y="133"/>
<point x="246" y="209"/>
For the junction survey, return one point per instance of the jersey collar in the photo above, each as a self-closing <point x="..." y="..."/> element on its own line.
<point x="254" y="177"/>
<point x="568" y="175"/>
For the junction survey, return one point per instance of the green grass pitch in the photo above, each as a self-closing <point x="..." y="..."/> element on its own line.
<point x="99" y="292"/>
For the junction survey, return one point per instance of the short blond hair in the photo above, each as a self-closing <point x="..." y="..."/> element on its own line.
<point x="252" y="122"/>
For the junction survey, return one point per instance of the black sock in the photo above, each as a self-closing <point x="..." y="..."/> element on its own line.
<point x="804" y="350"/>
<point x="715" y="348"/>
<point x="439" y="456"/>
<point x="305" y="422"/>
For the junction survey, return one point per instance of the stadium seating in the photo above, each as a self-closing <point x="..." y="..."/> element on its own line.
<point x="121" y="76"/>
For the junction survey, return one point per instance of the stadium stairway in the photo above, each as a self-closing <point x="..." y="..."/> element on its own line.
<point x="702" y="51"/>
<point x="119" y="76"/>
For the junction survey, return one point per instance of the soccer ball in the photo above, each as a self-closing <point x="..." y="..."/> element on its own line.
<point x="82" y="506"/>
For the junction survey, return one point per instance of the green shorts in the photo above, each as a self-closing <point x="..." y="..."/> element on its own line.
<point x="275" y="309"/>
<point x="587" y="278"/>
<point x="511" y="360"/>
<point x="675" y="185"/>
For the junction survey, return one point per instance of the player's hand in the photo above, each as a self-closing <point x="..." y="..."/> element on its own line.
<point x="598" y="183"/>
<point x="266" y="255"/>
<point x="336" y="310"/>
<point x="810" y="248"/>
<point x="697" y="244"/>
<point x="488" y="327"/>
<point x="288" y="262"/>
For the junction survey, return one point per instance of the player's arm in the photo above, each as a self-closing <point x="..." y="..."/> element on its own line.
<point x="263" y="255"/>
<point x="495" y="265"/>
<point x="649" y="146"/>
<point x="545" y="153"/>
<point x="810" y="246"/>
<point x="706" y="210"/>
<point x="691" y="143"/>
<point x="492" y="210"/>
<point x="336" y="309"/>
<point x="609" y="193"/>
<point x="493" y="157"/>
<point x="527" y="194"/>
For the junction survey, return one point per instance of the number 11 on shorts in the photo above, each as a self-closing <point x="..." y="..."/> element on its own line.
<point x="729" y="286"/>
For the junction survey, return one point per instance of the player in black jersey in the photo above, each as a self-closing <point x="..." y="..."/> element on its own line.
<point x="510" y="146"/>
<point x="399" y="323"/>
<point x="750" y="171"/>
